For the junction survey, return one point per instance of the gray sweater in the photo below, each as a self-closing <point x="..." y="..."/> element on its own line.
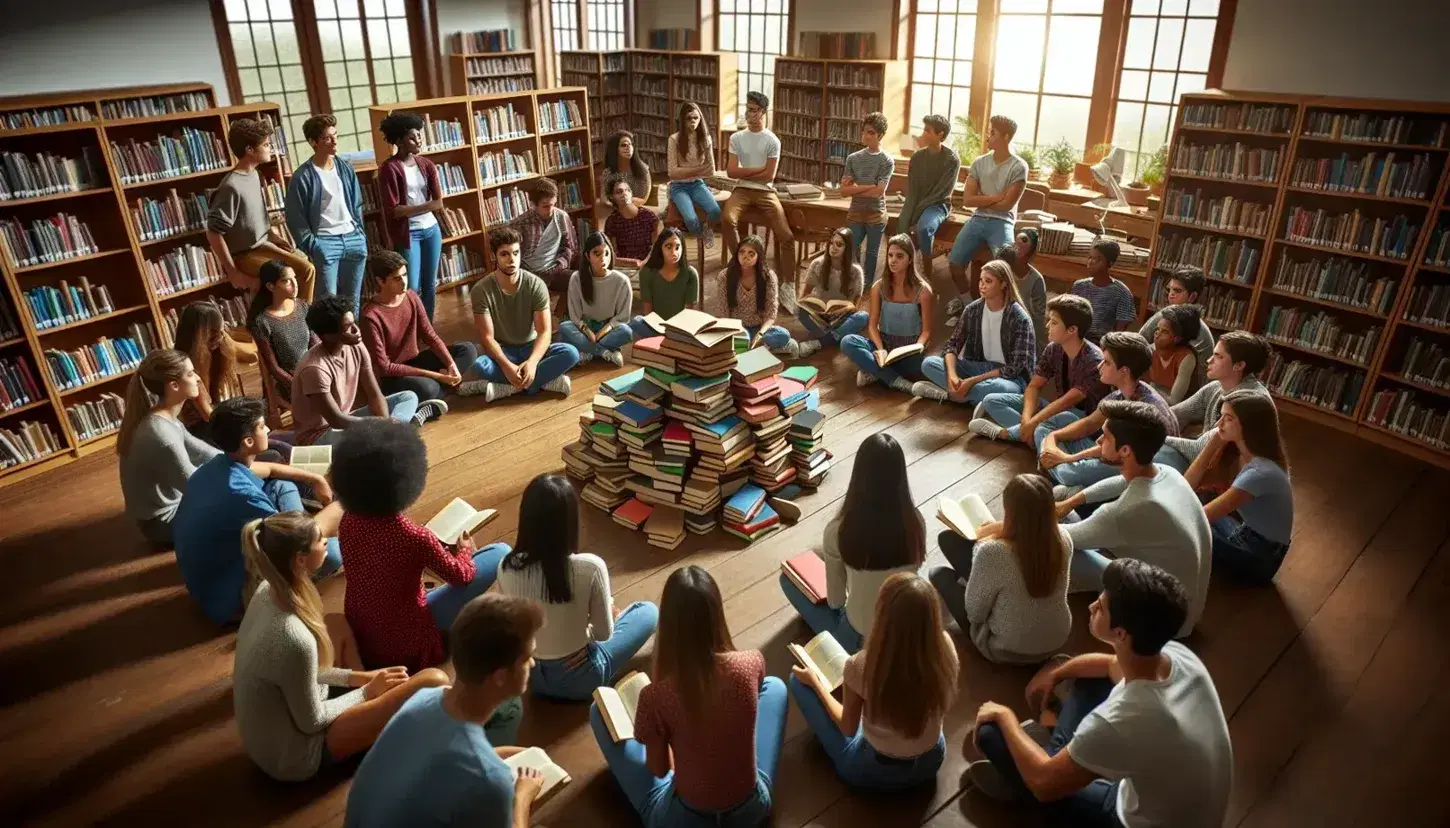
<point x="237" y="212"/>
<point x="154" y="473"/>
<point x="1203" y="408"/>
<point x="1007" y="624"/>
<point x="280" y="695"/>
<point x="612" y="297"/>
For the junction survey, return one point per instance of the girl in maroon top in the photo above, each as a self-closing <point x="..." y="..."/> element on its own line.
<point x="411" y="193"/>
<point x="379" y="468"/>
<point x="711" y="708"/>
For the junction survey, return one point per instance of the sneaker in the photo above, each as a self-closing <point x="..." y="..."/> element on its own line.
<point x="473" y="388"/>
<point x="1061" y="492"/>
<point x="980" y="412"/>
<point x="559" y="385"/>
<point x="490" y="391"/>
<point x="614" y="358"/>
<point x="990" y="781"/>
<point x="792" y="350"/>
<point x="927" y="390"/>
<point x="430" y="410"/>
<point x="984" y="427"/>
<point x="585" y="356"/>
<point x="864" y="380"/>
<point x="810" y="346"/>
<point x="901" y="384"/>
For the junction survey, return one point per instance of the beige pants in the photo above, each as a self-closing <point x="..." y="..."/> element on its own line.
<point x="743" y="199"/>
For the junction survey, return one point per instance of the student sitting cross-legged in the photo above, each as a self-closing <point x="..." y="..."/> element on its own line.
<point x="833" y="275"/>
<point x="289" y="655"/>
<point x="878" y="533"/>
<point x="708" y="729"/>
<point x="1008" y="589"/>
<point x="598" y="305"/>
<point x="1174" y="362"/>
<point x="1069" y="359"/>
<point x="277" y="320"/>
<point x="229" y="491"/>
<point x="583" y="644"/>
<point x="437" y="762"/>
<point x="886" y="732"/>
<point x="667" y="282"/>
<point x="1237" y="359"/>
<point x="631" y="229"/>
<point x="201" y="334"/>
<point x="1185" y="286"/>
<point x="991" y="351"/>
<point x="407" y="352"/>
<point x="749" y="290"/>
<point x="1112" y="301"/>
<point x="1141" y="739"/>
<point x="511" y="315"/>
<point x="901" y="314"/>
<point x="1253" y="521"/>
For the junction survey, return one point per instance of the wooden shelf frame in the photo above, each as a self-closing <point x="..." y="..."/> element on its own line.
<point x="459" y="74"/>
<point x="819" y="167"/>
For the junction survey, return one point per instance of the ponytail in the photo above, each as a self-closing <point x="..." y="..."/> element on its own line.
<point x="146" y="389"/>
<point x="270" y="547"/>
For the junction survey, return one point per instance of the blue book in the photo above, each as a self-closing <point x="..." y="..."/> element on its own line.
<point x="746" y="501"/>
<point x="635" y="414"/>
<point x="723" y="427"/>
<point x="813" y="399"/>
<point x="620" y="385"/>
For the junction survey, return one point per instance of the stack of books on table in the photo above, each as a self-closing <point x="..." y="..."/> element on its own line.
<point x="747" y="516"/>
<point x="810" y="457"/>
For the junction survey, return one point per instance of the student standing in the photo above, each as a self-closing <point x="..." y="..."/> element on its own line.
<point x="749" y="290"/>
<point x="511" y="315"/>
<point x="598" y="305"/>
<point x="407" y="352"/>
<point x="691" y="160"/>
<point x="1031" y="287"/>
<point x="620" y="159"/>
<point x="1141" y="739"/>
<point x="237" y="229"/>
<point x="324" y="212"/>
<point x="886" y="732"/>
<point x="289" y="656"/>
<point x="632" y="229"/>
<point x="1112" y="301"/>
<point x="1174" y="362"/>
<point x="992" y="351"/>
<point x="277" y="320"/>
<point x="867" y="175"/>
<point x="411" y="194"/>
<point x="1237" y="359"/>
<point x="668" y="283"/>
<point x="834" y="275"/>
<point x="547" y="242"/>
<point x="993" y="187"/>
<point x="582" y="644"/>
<point x="709" y="727"/>
<point x="754" y="157"/>
<point x="901" y="314"/>
<point x="1185" y="286"/>
<point x="1008" y="589"/>
<point x="931" y="178"/>
<point x="877" y="533"/>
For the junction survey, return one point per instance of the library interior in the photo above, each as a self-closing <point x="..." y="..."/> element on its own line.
<point x="1099" y="350"/>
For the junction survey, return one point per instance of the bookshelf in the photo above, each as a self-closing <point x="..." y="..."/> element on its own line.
<point x="605" y="75"/>
<point x="818" y="107"/>
<point x="1321" y="223"/>
<point x="489" y="73"/>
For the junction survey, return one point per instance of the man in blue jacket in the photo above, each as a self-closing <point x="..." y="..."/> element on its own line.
<point x="324" y="213"/>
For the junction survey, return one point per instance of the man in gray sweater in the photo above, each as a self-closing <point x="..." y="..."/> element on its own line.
<point x="931" y="177"/>
<point x="1234" y="365"/>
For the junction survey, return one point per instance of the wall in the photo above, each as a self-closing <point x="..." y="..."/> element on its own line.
<point x="850" y="16"/>
<point x="478" y="16"/>
<point x="101" y="43"/>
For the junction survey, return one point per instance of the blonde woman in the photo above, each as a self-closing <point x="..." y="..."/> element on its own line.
<point x="992" y="350"/>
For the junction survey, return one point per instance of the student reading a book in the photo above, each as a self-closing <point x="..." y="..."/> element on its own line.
<point x="1030" y="284"/>
<point x="277" y="320"/>
<point x="1008" y="588"/>
<point x="668" y="283"/>
<point x="201" y="334"/>
<point x="1111" y="300"/>
<point x="886" y="732"/>
<point x="582" y="644"/>
<point x="753" y="160"/>
<point x="1253" y="521"/>
<point x="407" y="352"/>
<point x="1149" y="512"/>
<point x="598" y="304"/>
<point x="289" y="655"/>
<point x="931" y="178"/>
<point x="992" y="351"/>
<point x="832" y="278"/>
<point x="1068" y="358"/>
<point x="620" y="159"/>
<point x="1237" y="359"/>
<point x="877" y="533"/>
<point x="1174" y="361"/>
<point x="437" y="762"/>
<point x="993" y="187"/>
<point x="411" y="194"/>
<point x="333" y="374"/>
<point x="237" y="230"/>
<point x="901" y="317"/>
<point x="867" y="174"/>
<point x="1141" y="739"/>
<point x="749" y="290"/>
<point x="511" y="315"/>
<point x="229" y="491"/>
<point x="157" y="453"/>
<point x="546" y="237"/>
<point x="1185" y="286"/>
<point x="632" y="229"/>
<point x="690" y="160"/>
<point x="709" y="727"/>
<point x="325" y="212"/>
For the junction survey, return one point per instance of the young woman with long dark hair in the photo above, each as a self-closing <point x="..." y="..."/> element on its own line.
<point x="691" y="160"/>
<point x="621" y="158"/>
<point x="277" y="320"/>
<point x="597" y="309"/>
<point x="749" y="290"/>
<point x="901" y="314"/>
<point x="834" y="274"/>
<point x="201" y="334"/>
<point x="668" y="283"/>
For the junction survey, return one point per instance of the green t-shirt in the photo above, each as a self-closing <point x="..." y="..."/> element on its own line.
<point x="668" y="298"/>
<point x="512" y="314"/>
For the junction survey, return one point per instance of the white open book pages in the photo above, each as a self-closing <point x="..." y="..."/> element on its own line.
<point x="900" y="353"/>
<point x="458" y="519"/>
<point x="965" y="515"/>
<point x="536" y="758"/>
<point x="618" y="704"/>
<point x="825" y="655"/>
<point x="315" y="459"/>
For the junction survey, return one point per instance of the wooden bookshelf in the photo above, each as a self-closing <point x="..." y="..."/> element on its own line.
<point x="489" y="73"/>
<point x="606" y="77"/>
<point x="817" y="110"/>
<point x="1346" y="312"/>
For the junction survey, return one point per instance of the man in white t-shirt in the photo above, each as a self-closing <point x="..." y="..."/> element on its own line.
<point x="992" y="190"/>
<point x="754" y="157"/>
<point x="1141" y="740"/>
<point x="324" y="212"/>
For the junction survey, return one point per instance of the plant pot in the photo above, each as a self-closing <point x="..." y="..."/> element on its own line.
<point x="1034" y="174"/>
<point x="1136" y="196"/>
<point x="1157" y="189"/>
<point x="1059" y="180"/>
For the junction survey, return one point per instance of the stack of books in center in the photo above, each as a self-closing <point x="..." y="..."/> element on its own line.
<point x="757" y="386"/>
<point x="747" y="516"/>
<point x="699" y="343"/>
<point x="665" y="527"/>
<point x="811" y="459"/>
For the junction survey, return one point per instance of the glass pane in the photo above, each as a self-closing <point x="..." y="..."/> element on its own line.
<point x="382" y="71"/>
<point x="1128" y="127"/>
<point x="774" y="37"/>
<point x="262" y="42"/>
<point x="357" y="72"/>
<point x="1077" y="7"/>
<point x="362" y="96"/>
<point x="395" y="8"/>
<point x="271" y="80"/>
<point x="1138" y="52"/>
<point x="331" y="40"/>
<point x="251" y="83"/>
<point x="378" y="38"/>
<point x="1072" y="52"/>
<point x="1204" y="8"/>
<point x="1170" y="35"/>
<point x="292" y="78"/>
<point x="1156" y="122"/>
<point x="1063" y="118"/>
<point x="1197" y="45"/>
<point x="341" y="97"/>
<point x="943" y="72"/>
<point x="398" y="29"/>
<point x="1179" y="7"/>
<point x="336" y="75"/>
<point x="386" y="95"/>
<point x="1160" y="87"/>
<point x="374" y="8"/>
<point x="407" y="92"/>
<point x="727" y="31"/>
<point x="1010" y="6"/>
<point x="236" y="11"/>
<point x="1019" y="52"/>
<point x="257" y="9"/>
<point x="1021" y="108"/>
<point x="352" y="39"/>
<point x="963" y="74"/>
<point x="281" y="9"/>
<point x="1134" y="85"/>
<point x="1188" y="83"/>
<point x="403" y="69"/>
<point x="1144" y="7"/>
<point x="297" y="102"/>
<point x="921" y="71"/>
<point x="927" y="5"/>
<point x="325" y="8"/>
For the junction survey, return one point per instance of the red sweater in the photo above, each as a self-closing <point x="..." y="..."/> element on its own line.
<point x="393" y="184"/>
<point x="396" y="335"/>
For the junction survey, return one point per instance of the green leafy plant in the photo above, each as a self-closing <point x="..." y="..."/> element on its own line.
<point x="1060" y="157"/>
<point x="1029" y="154"/>
<point x="1155" y="168"/>
<point x="966" y="140"/>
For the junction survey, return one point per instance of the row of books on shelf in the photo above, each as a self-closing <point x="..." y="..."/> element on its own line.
<point x="852" y="106"/>
<point x="1234" y="259"/>
<point x="674" y="40"/>
<point x="578" y="63"/>
<point x="170" y="216"/>
<point x="502" y="65"/>
<point x="54" y="306"/>
<point x="1406" y="412"/>
<point x="1231" y="162"/>
<point x="1375" y="127"/>
<point x="649" y="63"/>
<point x="702" y="94"/>
<point x="455" y="222"/>
<point x="458" y="263"/>
<point x="854" y="77"/>
<point x="97" y="417"/>
<point x="47" y="116"/>
<point x="1266" y="118"/>
<point x="1222" y="213"/>
<point x="838" y="45"/>
<point x="1373" y="174"/>
<point x="616" y="84"/>
<point x="797" y="125"/>
<point x="700" y="67"/>
<point x="795" y="169"/>
<point x="572" y="195"/>
<point x="452" y="178"/>
<point x="1334" y="388"/>
<point x="26" y="442"/>
<point x="836" y="151"/>
<point x="1429" y="305"/>
<point x="1320" y="331"/>
<point x="1225" y="307"/>
<point x="496" y="167"/>
<point x="563" y="155"/>
<point x="44" y="240"/>
<point x="804" y="147"/>
<point x="1392" y="238"/>
<point x="839" y="130"/>
<point x="1438" y="253"/>
<point x="618" y="107"/>
<point x="801" y="101"/>
<point x="557" y="116"/>
<point x="654" y="108"/>
<point x="649" y="85"/>
<point x="106" y="357"/>
<point x="9" y="322"/>
<point x="1336" y="279"/>
<point x="45" y="173"/>
<point x="484" y="40"/>
<point x="151" y="106"/>
<point x="504" y="206"/>
<point x="614" y="62"/>
<point x="1426" y="361"/>
<point x="499" y="123"/>
<point x="18" y="386"/>
<point x="791" y="71"/>
<point x="500" y="85"/>
<point x="438" y="135"/>
<point x="185" y="267"/>
<point x="189" y="150"/>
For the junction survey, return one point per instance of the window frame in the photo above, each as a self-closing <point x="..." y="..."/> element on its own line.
<point x="790" y="49"/>
<point x="627" y="20"/>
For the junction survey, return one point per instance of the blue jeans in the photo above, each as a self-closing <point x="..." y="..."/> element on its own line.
<point x="445" y="602"/>
<point x="1094" y="806"/>
<point x="617" y="338"/>
<point x="1083" y="472"/>
<point x="654" y="797"/>
<point x="980" y="230"/>
<point x="285" y="495"/>
<point x="573" y="679"/>
<point x="1244" y="554"/>
<point x="685" y="195"/>
<point x="856" y="761"/>
<point x="423" y="250"/>
<point x="1006" y="411"/>
<point x="927" y="224"/>
<point x="935" y="369"/>
<point x="822" y="617"/>
<point x="339" y="261"/>
<point x="862" y="352"/>
<point x="871" y="234"/>
<point x="775" y="337"/>
<point x="851" y="323"/>
<point x="401" y="407"/>
<point x="557" y="361"/>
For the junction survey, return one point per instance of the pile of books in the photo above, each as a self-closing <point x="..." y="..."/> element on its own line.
<point x="811" y="459"/>
<point x="747" y="516"/>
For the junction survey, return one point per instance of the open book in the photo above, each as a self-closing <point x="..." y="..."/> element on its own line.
<point x="820" y="308"/>
<point x="902" y="352"/>
<point x="825" y="655"/>
<point x="458" y="519"/>
<point x="618" y="703"/>
<point x="965" y="515"/>
<point x="555" y="777"/>
<point x="315" y="459"/>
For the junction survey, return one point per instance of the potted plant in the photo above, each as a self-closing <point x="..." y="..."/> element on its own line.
<point x="1153" y="171"/>
<point x="1029" y="154"/>
<point x="967" y="141"/>
<point x="1060" y="159"/>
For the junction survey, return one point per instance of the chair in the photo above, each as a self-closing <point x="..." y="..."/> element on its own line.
<point x="675" y="220"/>
<point x="809" y="240"/>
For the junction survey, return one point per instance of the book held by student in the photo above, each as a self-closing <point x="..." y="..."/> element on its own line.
<point x="617" y="704"/>
<point x="965" y="515"/>
<point x="824" y="655"/>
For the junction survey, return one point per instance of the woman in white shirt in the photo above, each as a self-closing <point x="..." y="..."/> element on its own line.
<point x="411" y="193"/>
<point x="582" y="644"/>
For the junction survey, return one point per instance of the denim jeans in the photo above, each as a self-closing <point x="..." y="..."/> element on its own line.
<point x="685" y="195"/>
<point x="862" y="352"/>
<point x="445" y="602"/>
<point x="654" y="797"/>
<point x="463" y="354"/>
<point x="1093" y="806"/>
<point x="851" y="323"/>
<point x="871" y="234"/>
<point x="401" y="407"/>
<point x="557" y="361"/>
<point x="1244" y="554"/>
<point x="775" y="337"/>
<point x="856" y="761"/>
<point x="559" y="679"/>
<point x="1083" y="472"/>
<point x="423" y="250"/>
<point x="935" y="369"/>
<point x="617" y="338"/>
<point x="1006" y="411"/>
<point x="339" y="261"/>
<point x="822" y="617"/>
<point x="927" y="224"/>
<point x="285" y="495"/>
<point x="980" y="230"/>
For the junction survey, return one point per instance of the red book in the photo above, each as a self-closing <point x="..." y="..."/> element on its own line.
<point x="757" y="414"/>
<point x="633" y="513"/>
<point x="675" y="432"/>
<point x="649" y="343"/>
<point x="808" y="572"/>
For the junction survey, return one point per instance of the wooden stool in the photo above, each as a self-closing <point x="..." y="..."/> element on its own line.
<point x="675" y="220"/>
<point x="809" y="240"/>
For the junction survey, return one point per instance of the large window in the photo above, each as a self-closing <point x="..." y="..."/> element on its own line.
<point x="605" y="24"/>
<point x="759" y="30"/>
<point x="1166" y="54"/>
<point x="565" y="17"/>
<point x="941" y="68"/>
<point x="1042" y="75"/>
<point x="269" y="62"/>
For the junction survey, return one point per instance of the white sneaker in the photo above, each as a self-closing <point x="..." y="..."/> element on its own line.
<point x="614" y="358"/>
<point x="585" y="357"/>
<point x="473" y="388"/>
<point x="864" y="380"/>
<point x="901" y="384"/>
<point x="927" y="390"/>
<point x="490" y="391"/>
<point x="984" y="427"/>
<point x="980" y="412"/>
<point x="559" y="385"/>
<point x="792" y="350"/>
<point x="810" y="346"/>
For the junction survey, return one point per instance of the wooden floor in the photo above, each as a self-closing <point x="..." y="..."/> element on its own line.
<point x="115" y="692"/>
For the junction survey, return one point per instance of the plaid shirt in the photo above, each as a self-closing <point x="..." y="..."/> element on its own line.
<point x="1081" y="373"/>
<point x="531" y="226"/>
<point x="1019" y="340"/>
<point x="634" y="237"/>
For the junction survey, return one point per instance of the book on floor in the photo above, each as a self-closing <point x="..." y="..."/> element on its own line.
<point x="458" y="519"/>
<point x="315" y="459"/>
<point x="808" y="572"/>
<point x="633" y="513"/>
<point x="555" y="777"/>
<point x="617" y="387"/>
<point x="665" y="527"/>
<point x="901" y="353"/>
<point x="617" y="704"/>
<point x="825" y="655"/>
<point x="744" y="504"/>
<point x="964" y="516"/>
<point x="806" y="375"/>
